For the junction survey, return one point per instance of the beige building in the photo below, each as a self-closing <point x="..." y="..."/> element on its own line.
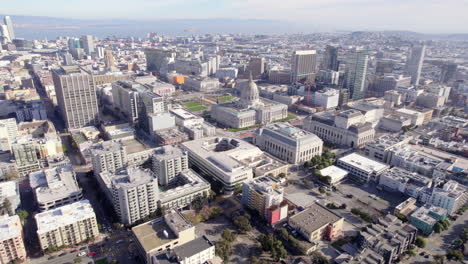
<point x="156" y="236"/>
<point x="11" y="239"/>
<point x="288" y="143"/>
<point x="67" y="225"/>
<point x="347" y="128"/>
<point x="317" y="223"/>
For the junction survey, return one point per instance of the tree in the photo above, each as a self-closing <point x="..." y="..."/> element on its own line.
<point x="114" y="261"/>
<point x="23" y="214"/>
<point x="228" y="235"/>
<point x="223" y="250"/>
<point x="322" y="190"/>
<point x="317" y="258"/>
<point x="282" y="175"/>
<point x="445" y="223"/>
<point x="402" y="217"/>
<point x="438" y="259"/>
<point x="242" y="223"/>
<point x="438" y="227"/>
<point x="215" y="212"/>
<point x="420" y="242"/>
<point x="454" y="254"/>
<point x="411" y="252"/>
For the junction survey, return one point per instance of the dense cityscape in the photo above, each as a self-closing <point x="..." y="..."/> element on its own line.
<point x="345" y="147"/>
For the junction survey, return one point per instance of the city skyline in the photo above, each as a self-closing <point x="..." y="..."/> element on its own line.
<point x="425" y="17"/>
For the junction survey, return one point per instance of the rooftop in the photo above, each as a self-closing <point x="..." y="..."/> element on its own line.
<point x="130" y="177"/>
<point x="168" y="152"/>
<point x="10" y="227"/>
<point x="160" y="231"/>
<point x="315" y="217"/>
<point x="54" y="184"/>
<point x="288" y="134"/>
<point x="363" y="163"/>
<point x="8" y="189"/>
<point x="65" y="215"/>
<point x="186" y="250"/>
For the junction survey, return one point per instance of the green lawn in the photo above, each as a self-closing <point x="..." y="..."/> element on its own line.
<point x="193" y="106"/>
<point x="226" y="98"/>
<point x="242" y="129"/>
<point x="289" y="117"/>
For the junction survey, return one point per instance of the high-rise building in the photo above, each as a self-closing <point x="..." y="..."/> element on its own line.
<point x="257" y="67"/>
<point x="156" y="59"/>
<point x="67" y="225"/>
<point x="168" y="162"/>
<point x="109" y="60"/>
<point x="67" y="59"/>
<point x="384" y="67"/>
<point x="303" y="63"/>
<point x="9" y="24"/>
<point x="330" y="59"/>
<point x="5" y="33"/>
<point x="414" y="63"/>
<point x="356" y="70"/>
<point x="76" y="96"/>
<point x="11" y="240"/>
<point x="108" y="156"/>
<point x="447" y="72"/>
<point x="87" y="43"/>
<point x="8" y="131"/>
<point x="133" y="193"/>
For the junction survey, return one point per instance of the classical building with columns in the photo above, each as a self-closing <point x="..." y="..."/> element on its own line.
<point x="249" y="110"/>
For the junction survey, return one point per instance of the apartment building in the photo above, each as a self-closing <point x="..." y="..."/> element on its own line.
<point x="132" y="191"/>
<point x="55" y="187"/>
<point x="11" y="240"/>
<point x="67" y="225"/>
<point x="361" y="168"/>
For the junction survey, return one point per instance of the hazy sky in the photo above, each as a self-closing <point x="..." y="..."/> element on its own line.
<point x="432" y="16"/>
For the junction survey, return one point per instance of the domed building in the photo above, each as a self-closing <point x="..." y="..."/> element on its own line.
<point x="249" y="110"/>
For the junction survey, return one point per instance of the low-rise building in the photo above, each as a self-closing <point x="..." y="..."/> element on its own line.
<point x="361" y="168"/>
<point x="327" y="98"/>
<point x="229" y="161"/>
<point x="389" y="237"/>
<point x="406" y="207"/>
<point x="201" y="84"/>
<point x="288" y="143"/>
<point x="417" y="118"/>
<point x="198" y="251"/>
<point x="170" y="136"/>
<point x="316" y="223"/>
<point x="451" y="196"/>
<point x="335" y="173"/>
<point x="55" y="187"/>
<point x="159" y="235"/>
<point x="188" y="188"/>
<point x="400" y="180"/>
<point x="11" y="240"/>
<point x="67" y="225"/>
<point x="426" y="217"/>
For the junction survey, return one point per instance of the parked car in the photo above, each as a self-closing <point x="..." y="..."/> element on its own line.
<point x="91" y="254"/>
<point x="81" y="254"/>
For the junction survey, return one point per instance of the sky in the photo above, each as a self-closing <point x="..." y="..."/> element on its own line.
<point x="426" y="16"/>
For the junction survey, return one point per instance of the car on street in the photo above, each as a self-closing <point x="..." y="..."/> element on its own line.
<point x="91" y="254"/>
<point x="81" y="254"/>
<point x="74" y="251"/>
<point x="63" y="254"/>
<point x="51" y="257"/>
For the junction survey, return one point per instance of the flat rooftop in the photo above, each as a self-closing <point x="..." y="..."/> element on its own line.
<point x="160" y="231"/>
<point x="151" y="234"/>
<point x="288" y="134"/>
<point x="64" y="215"/>
<point x="363" y="163"/>
<point x="10" y="227"/>
<point x="54" y="184"/>
<point x="315" y="217"/>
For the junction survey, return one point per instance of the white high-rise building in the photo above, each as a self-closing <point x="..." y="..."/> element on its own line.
<point x="9" y="24"/>
<point x="8" y="131"/>
<point x="303" y="63"/>
<point x="414" y="63"/>
<point x="4" y="32"/>
<point x="133" y="192"/>
<point x="108" y="156"/>
<point x="356" y="70"/>
<point x="87" y="43"/>
<point x="168" y="162"/>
